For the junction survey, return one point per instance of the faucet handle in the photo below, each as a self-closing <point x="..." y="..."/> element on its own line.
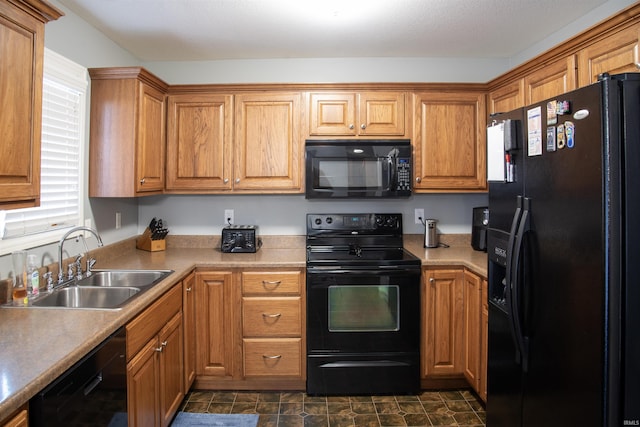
<point x="48" y="277"/>
<point x="78" y="264"/>
<point x="90" y="263"/>
<point x="70" y="270"/>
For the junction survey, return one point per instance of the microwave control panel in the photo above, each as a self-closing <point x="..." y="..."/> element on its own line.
<point x="404" y="174"/>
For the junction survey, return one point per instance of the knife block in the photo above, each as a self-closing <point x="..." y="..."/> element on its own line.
<point x="145" y="243"/>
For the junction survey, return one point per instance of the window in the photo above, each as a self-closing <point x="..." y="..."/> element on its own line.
<point x="62" y="156"/>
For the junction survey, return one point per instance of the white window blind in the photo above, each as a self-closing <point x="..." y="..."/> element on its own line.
<point x="63" y="105"/>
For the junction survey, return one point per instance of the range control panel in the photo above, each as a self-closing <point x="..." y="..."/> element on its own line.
<point x="354" y="222"/>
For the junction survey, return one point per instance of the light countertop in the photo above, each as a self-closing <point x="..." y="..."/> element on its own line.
<point x="39" y="344"/>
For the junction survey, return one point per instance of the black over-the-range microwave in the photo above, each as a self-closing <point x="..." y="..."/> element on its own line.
<point x="340" y="168"/>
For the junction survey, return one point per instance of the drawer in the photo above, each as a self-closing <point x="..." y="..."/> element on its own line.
<point x="269" y="357"/>
<point x="271" y="282"/>
<point x="270" y="317"/>
<point x="142" y="328"/>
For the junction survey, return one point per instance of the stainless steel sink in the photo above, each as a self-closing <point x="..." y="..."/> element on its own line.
<point x="120" y="278"/>
<point x="87" y="297"/>
<point x="104" y="289"/>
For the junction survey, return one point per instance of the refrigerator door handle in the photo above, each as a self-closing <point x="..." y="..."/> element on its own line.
<point x="516" y="293"/>
<point x="509" y="276"/>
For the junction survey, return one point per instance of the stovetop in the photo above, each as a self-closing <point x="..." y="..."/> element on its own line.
<point x="356" y="240"/>
<point x="332" y="256"/>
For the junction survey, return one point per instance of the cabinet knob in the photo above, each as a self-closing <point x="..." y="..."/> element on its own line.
<point x="418" y="179"/>
<point x="351" y="126"/>
<point x="237" y="180"/>
<point x="142" y="181"/>
<point x="226" y="180"/>
<point x="432" y="280"/>
<point x="363" y="126"/>
<point x="279" y="356"/>
<point x="188" y="289"/>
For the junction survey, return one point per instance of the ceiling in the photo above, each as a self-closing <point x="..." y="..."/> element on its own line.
<point x="191" y="30"/>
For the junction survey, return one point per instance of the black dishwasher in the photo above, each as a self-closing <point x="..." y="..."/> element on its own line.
<point x="93" y="392"/>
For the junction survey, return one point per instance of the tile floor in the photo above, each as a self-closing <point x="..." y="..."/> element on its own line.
<point x="437" y="408"/>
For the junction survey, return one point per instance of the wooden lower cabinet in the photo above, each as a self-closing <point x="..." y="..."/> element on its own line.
<point x="442" y="325"/>
<point x="189" y="322"/>
<point x="216" y="302"/>
<point x="155" y="373"/>
<point x="455" y="329"/>
<point x="19" y="418"/>
<point x="472" y="328"/>
<point x="250" y="327"/>
<point x="484" y="341"/>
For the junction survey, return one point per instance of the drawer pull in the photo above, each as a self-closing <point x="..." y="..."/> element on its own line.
<point x="264" y="356"/>
<point x="272" y="316"/>
<point x="271" y="284"/>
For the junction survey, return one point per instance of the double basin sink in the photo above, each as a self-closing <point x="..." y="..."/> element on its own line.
<point x="104" y="289"/>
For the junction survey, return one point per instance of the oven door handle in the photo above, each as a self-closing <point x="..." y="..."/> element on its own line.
<point x="362" y="363"/>
<point x="380" y="270"/>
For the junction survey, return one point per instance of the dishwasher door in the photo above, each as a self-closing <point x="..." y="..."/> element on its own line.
<point x="92" y="392"/>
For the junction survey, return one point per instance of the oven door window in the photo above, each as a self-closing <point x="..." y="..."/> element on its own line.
<point x="364" y="308"/>
<point x="353" y="175"/>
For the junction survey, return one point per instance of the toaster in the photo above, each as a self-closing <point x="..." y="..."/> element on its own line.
<point x="239" y="239"/>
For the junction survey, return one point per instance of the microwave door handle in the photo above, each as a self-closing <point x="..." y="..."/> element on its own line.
<point x="393" y="172"/>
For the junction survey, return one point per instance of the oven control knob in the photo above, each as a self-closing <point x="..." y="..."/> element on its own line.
<point x="391" y="221"/>
<point x="379" y="220"/>
<point x="329" y="220"/>
<point x="318" y="221"/>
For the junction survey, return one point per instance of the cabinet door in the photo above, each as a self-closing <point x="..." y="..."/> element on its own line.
<point x="268" y="143"/>
<point x="615" y="54"/>
<point x="20" y="419"/>
<point x="143" y="402"/>
<point x="150" y="139"/>
<point x="21" y="49"/>
<point x="199" y="142"/>
<point x="472" y="328"/>
<point x="551" y="80"/>
<point x="332" y="114"/>
<point x="189" y="326"/>
<point x="484" y="341"/>
<point x="215" y="329"/>
<point x="507" y="98"/>
<point x="382" y="113"/>
<point x="442" y="323"/>
<point x="449" y="140"/>
<point x="171" y="371"/>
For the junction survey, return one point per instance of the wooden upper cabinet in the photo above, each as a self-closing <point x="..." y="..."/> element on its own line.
<point x="550" y="80"/>
<point x="22" y="52"/>
<point x="199" y="142"/>
<point x="617" y="53"/>
<point x="127" y="146"/>
<point x="267" y="149"/>
<point x="507" y="98"/>
<point x="449" y="141"/>
<point x="357" y="114"/>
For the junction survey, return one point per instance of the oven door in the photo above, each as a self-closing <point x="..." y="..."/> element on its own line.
<point x="374" y="310"/>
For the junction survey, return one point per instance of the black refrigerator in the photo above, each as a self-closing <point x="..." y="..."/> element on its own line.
<point x="564" y="260"/>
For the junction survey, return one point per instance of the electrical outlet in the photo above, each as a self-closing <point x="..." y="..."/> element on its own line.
<point x="419" y="214"/>
<point x="118" y="220"/>
<point x="228" y="216"/>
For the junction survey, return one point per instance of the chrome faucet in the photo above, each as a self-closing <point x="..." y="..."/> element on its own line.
<point x="61" y="244"/>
